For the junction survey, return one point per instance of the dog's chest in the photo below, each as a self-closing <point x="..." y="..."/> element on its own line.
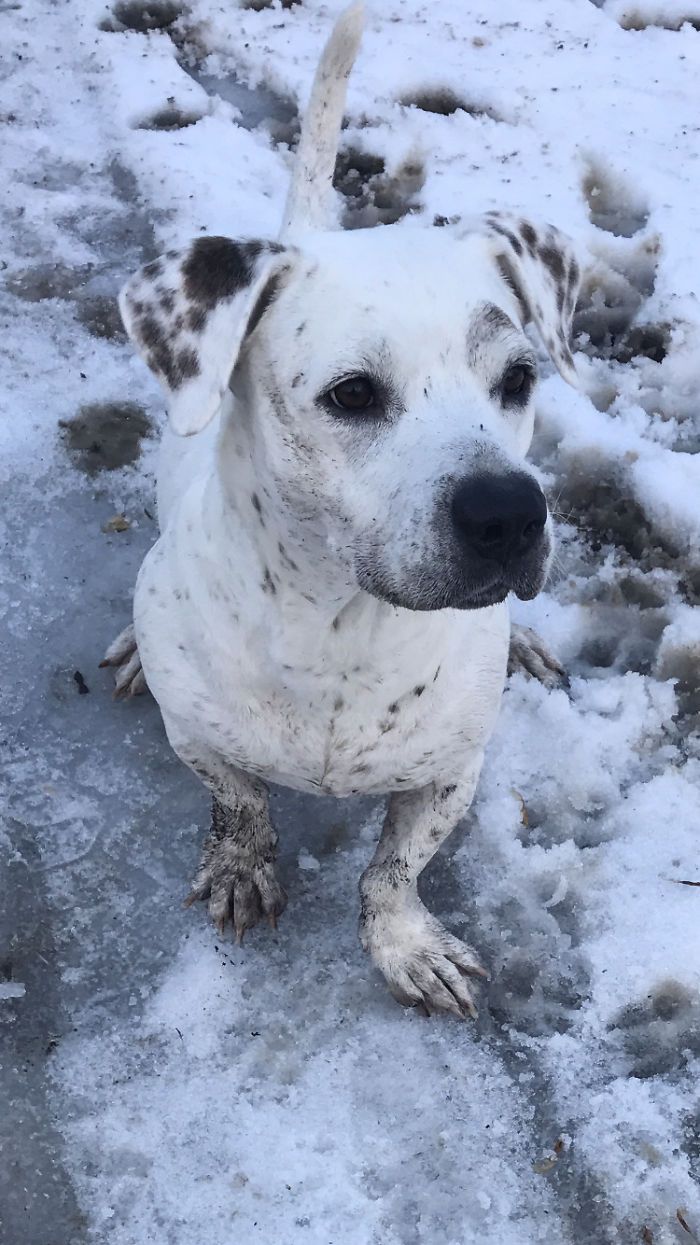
<point x="346" y="720"/>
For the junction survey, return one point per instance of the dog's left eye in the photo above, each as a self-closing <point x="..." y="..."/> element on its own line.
<point x="517" y="381"/>
<point x="354" y="394"/>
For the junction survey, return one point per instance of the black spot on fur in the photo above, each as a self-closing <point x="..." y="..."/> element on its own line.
<point x="196" y="319"/>
<point x="264" y="302"/>
<point x="291" y="565"/>
<point x="511" y="278"/>
<point x="529" y="236"/>
<point x="167" y="303"/>
<point x="268" y="584"/>
<point x="506" y="233"/>
<point x="418" y="691"/>
<point x="445" y="792"/>
<point x="218" y="268"/>
<point x="553" y="259"/>
<point x="152" y="270"/>
<point x="256" y="502"/>
<point x="187" y="363"/>
<point x="394" y="707"/>
<point x="338" y="704"/>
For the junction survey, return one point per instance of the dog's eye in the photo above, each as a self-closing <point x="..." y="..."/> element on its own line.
<point x="517" y="381"/>
<point x="354" y="394"/>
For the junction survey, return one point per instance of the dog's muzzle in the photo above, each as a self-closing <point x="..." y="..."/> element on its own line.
<point x="501" y="525"/>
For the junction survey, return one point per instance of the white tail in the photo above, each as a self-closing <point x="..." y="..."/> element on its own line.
<point x="308" y="200"/>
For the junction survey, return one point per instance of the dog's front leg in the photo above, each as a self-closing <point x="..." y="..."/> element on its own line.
<point x="237" y="870"/>
<point x="422" y="962"/>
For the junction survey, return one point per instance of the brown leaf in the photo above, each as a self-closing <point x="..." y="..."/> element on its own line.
<point x="524" y="819"/>
<point x="680" y="1216"/>
<point x="117" y="523"/>
<point x="545" y="1165"/>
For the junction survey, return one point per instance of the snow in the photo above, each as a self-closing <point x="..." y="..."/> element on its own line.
<point x="163" y="1085"/>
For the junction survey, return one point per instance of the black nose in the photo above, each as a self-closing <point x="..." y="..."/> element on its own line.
<point x="499" y="517"/>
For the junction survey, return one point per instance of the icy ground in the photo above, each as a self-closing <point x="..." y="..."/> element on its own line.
<point x="159" y="1085"/>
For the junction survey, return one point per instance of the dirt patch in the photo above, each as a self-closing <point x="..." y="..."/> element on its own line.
<point x="100" y="316"/>
<point x="634" y="20"/>
<point x="612" y="294"/>
<point x="259" y="5"/>
<point x="142" y="16"/>
<point x="261" y="107"/>
<point x="169" y="118"/>
<point x="106" y="435"/>
<point x="43" y="281"/>
<point x="374" y="197"/>
<point x="613" y="206"/>
<point x="660" y="1033"/>
<point x="445" y="103"/>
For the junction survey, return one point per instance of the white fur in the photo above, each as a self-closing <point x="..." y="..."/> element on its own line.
<point x="261" y="613"/>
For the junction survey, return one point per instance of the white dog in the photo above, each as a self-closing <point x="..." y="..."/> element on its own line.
<point x="326" y="606"/>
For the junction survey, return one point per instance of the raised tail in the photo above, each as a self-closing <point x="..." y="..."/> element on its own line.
<point x="308" y="200"/>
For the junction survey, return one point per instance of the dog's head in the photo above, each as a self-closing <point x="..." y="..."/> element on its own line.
<point x="387" y="386"/>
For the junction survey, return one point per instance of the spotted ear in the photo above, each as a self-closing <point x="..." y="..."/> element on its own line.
<point x="189" y="313"/>
<point x="538" y="265"/>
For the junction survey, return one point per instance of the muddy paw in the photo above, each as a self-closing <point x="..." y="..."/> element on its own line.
<point x="529" y="654"/>
<point x="240" y="887"/>
<point x="123" y="655"/>
<point x="424" y="965"/>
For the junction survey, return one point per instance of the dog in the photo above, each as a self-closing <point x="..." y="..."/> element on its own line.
<point x="345" y="507"/>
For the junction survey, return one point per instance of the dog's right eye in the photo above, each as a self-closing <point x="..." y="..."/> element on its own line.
<point x="354" y="394"/>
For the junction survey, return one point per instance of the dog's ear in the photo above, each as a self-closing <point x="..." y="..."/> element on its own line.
<point x="189" y="313"/>
<point x="538" y="265"/>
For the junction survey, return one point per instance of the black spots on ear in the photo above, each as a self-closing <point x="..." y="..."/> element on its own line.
<point x="153" y="270"/>
<point x="218" y="268"/>
<point x="528" y="234"/>
<point x="195" y="319"/>
<point x="511" y="237"/>
<point x="511" y="278"/>
<point x="553" y="260"/>
<point x="187" y="362"/>
<point x="265" y="300"/>
<point x="162" y="354"/>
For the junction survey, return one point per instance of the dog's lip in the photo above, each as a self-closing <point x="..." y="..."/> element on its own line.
<point x="490" y="591"/>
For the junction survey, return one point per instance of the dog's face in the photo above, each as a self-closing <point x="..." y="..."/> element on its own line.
<point x="388" y="386"/>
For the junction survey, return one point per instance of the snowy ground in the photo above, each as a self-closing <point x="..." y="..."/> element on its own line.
<point x="161" y="1086"/>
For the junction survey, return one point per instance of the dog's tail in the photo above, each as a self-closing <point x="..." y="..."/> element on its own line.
<point x="308" y="201"/>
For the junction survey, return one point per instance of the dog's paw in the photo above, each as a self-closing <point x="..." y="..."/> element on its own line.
<point x="528" y="653"/>
<point x="240" y="887"/>
<point x="424" y="965"/>
<point x="123" y="655"/>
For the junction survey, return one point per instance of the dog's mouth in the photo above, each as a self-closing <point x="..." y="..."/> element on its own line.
<point x="457" y="584"/>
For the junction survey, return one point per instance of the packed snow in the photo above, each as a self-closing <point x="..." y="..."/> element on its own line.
<point x="161" y="1084"/>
